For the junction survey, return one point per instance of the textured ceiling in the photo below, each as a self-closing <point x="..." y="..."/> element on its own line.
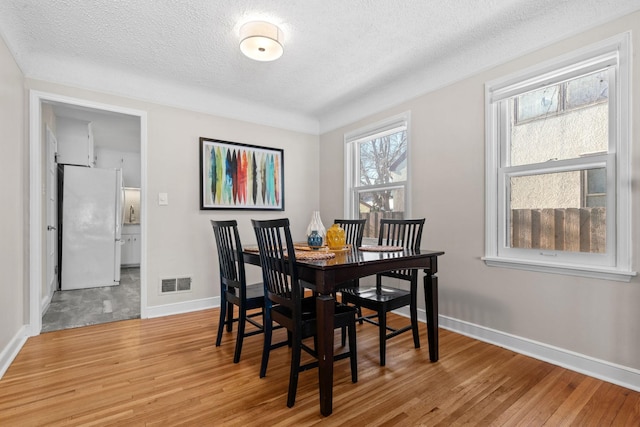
<point x="343" y="59"/>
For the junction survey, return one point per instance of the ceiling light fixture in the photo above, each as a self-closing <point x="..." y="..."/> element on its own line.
<point x="261" y="41"/>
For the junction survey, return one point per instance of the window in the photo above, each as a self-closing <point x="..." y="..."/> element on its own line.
<point x="377" y="172"/>
<point x="558" y="165"/>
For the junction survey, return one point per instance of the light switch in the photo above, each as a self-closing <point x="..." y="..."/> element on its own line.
<point x="163" y="199"/>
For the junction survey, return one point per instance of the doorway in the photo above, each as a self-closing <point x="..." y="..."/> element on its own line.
<point x="111" y="150"/>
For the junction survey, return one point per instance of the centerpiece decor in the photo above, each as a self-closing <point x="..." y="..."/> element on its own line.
<point x="315" y="231"/>
<point x="336" y="238"/>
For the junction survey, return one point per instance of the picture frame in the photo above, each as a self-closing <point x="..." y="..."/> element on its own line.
<point x="239" y="176"/>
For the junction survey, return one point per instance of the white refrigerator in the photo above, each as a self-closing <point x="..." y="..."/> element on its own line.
<point x="91" y="227"/>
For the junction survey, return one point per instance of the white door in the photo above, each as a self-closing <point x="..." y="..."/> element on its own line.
<point x="52" y="213"/>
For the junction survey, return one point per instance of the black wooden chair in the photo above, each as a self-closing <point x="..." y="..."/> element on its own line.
<point x="353" y="232"/>
<point x="234" y="290"/>
<point x="286" y="304"/>
<point x="382" y="299"/>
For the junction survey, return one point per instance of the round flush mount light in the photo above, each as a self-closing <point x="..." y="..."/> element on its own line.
<point x="261" y="41"/>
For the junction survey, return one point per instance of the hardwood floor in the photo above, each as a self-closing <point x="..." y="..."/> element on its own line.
<point x="167" y="371"/>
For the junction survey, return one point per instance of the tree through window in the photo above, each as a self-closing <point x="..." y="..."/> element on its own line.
<point x="378" y="172"/>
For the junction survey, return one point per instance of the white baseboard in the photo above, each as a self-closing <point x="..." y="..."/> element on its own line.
<point x="12" y="349"/>
<point x="182" y="307"/>
<point x="617" y="374"/>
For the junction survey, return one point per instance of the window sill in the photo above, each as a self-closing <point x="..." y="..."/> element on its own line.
<point x="570" y="270"/>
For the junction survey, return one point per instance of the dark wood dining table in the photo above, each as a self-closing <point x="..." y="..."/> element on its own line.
<point x="327" y="274"/>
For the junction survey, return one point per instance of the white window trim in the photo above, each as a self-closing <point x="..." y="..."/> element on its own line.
<point x="618" y="266"/>
<point x="375" y="130"/>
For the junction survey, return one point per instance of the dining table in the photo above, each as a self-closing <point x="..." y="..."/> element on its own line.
<point x="326" y="274"/>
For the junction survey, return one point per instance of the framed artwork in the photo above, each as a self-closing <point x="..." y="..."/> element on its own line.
<point x="240" y="176"/>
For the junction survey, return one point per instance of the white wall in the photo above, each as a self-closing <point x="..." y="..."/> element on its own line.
<point x="593" y="318"/>
<point x="13" y="219"/>
<point x="180" y="237"/>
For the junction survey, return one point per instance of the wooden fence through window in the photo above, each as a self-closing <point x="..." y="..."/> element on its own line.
<point x="372" y="227"/>
<point x="569" y="229"/>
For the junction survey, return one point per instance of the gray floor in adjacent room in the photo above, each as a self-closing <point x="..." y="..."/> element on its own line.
<point x="83" y="307"/>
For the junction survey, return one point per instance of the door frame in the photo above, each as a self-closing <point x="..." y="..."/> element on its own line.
<point x="37" y="232"/>
<point x="51" y="209"/>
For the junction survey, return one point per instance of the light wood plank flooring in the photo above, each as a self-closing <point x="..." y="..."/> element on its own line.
<point x="167" y="371"/>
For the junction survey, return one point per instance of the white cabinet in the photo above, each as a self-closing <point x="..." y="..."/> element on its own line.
<point x="75" y="142"/>
<point x="130" y="249"/>
<point x="113" y="159"/>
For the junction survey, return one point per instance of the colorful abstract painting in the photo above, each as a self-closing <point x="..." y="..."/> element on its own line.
<point x="240" y="176"/>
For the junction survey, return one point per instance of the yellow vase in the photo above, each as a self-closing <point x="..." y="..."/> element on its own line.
<point x="335" y="237"/>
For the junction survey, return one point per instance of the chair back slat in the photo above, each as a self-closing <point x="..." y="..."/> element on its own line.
<point x="277" y="259"/>
<point x="353" y="230"/>
<point x="232" y="271"/>
<point x="401" y="232"/>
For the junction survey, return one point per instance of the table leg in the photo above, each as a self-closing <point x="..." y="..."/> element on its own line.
<point x="325" y="312"/>
<point x="431" y="304"/>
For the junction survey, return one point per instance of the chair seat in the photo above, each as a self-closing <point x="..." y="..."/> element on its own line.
<point x="386" y="299"/>
<point x="308" y="306"/>
<point x="342" y="317"/>
<point x="255" y="290"/>
<point x="254" y="296"/>
<point x="386" y="294"/>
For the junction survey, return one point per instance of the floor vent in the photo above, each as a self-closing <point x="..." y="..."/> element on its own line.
<point x="175" y="284"/>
